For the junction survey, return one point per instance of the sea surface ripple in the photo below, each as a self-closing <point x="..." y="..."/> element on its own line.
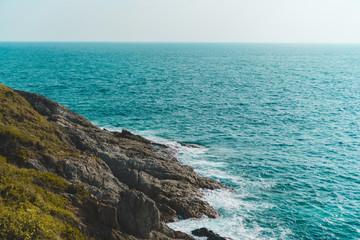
<point x="280" y="122"/>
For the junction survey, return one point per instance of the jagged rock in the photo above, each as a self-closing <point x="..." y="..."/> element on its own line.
<point x="138" y="214"/>
<point x="204" y="232"/>
<point x="110" y="164"/>
<point x="191" y="145"/>
<point x="127" y="134"/>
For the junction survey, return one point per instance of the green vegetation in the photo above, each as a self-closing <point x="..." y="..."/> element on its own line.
<point x="96" y="159"/>
<point x="31" y="206"/>
<point x="22" y="127"/>
<point x="72" y="154"/>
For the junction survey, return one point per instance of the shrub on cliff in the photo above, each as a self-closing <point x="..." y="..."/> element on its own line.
<point x="28" y="211"/>
<point x="33" y="204"/>
<point x="23" y="131"/>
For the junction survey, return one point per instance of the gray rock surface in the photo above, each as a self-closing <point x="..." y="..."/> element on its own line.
<point x="136" y="185"/>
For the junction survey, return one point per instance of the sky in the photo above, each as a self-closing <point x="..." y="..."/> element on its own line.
<point x="291" y="21"/>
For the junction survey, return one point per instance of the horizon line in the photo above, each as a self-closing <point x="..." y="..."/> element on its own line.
<point x="237" y="42"/>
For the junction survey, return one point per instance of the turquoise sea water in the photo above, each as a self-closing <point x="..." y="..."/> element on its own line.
<point x="280" y="123"/>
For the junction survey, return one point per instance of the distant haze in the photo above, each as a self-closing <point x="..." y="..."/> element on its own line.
<point x="319" y="21"/>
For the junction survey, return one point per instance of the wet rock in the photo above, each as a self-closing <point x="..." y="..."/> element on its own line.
<point x="191" y="145"/>
<point x="204" y="232"/>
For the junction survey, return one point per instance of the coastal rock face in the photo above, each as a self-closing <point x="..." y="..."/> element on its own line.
<point x="138" y="213"/>
<point x="136" y="185"/>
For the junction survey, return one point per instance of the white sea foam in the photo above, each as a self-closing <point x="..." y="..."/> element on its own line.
<point x="235" y="221"/>
<point x="234" y="225"/>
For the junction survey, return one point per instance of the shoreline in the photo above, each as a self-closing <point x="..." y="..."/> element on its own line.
<point x="204" y="194"/>
<point x="139" y="185"/>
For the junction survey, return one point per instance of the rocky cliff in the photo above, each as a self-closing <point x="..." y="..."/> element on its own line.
<point x="117" y="185"/>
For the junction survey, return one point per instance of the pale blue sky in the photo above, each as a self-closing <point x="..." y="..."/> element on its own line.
<point x="329" y="21"/>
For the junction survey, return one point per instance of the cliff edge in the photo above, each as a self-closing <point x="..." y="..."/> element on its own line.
<point x="114" y="185"/>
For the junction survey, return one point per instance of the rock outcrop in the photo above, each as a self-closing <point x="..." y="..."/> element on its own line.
<point x="204" y="232"/>
<point x="135" y="185"/>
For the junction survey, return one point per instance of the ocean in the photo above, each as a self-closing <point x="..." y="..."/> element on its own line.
<point x="279" y="123"/>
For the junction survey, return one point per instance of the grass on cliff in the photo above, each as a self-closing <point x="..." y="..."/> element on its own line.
<point x="31" y="206"/>
<point x="32" y="203"/>
<point x="23" y="131"/>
